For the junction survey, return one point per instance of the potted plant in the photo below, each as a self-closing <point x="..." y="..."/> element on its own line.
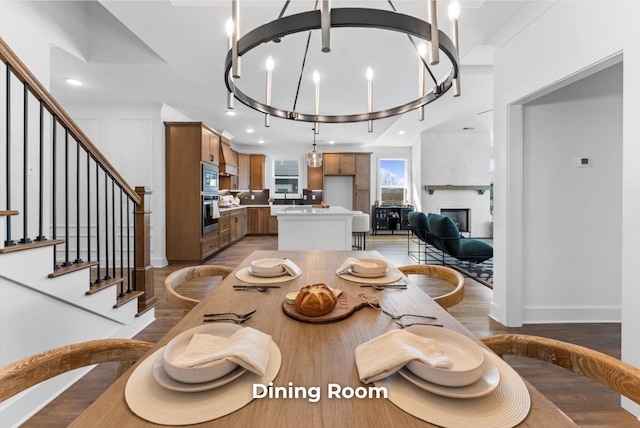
<point x="240" y="195"/>
<point x="270" y="201"/>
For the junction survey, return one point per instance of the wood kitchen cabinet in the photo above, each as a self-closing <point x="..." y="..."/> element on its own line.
<point x="244" y="167"/>
<point x="362" y="183"/>
<point x="237" y="225"/>
<point x="339" y="163"/>
<point x="258" y="220"/>
<point x="210" y="150"/>
<point x="186" y="144"/>
<point x="315" y="178"/>
<point x="256" y="174"/>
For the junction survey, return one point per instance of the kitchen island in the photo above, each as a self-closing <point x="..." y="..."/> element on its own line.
<point x="303" y="227"/>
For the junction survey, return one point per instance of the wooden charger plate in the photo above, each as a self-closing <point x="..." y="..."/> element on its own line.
<point x="347" y="305"/>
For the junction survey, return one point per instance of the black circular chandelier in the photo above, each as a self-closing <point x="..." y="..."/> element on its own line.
<point x="324" y="20"/>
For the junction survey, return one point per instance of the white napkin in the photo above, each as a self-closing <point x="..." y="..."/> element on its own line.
<point x="386" y="354"/>
<point x="247" y="347"/>
<point x="291" y="268"/>
<point x="350" y="262"/>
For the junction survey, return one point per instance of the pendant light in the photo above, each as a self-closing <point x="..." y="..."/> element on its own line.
<point x="314" y="157"/>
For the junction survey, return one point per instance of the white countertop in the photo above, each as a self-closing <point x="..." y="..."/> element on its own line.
<point x="309" y="210"/>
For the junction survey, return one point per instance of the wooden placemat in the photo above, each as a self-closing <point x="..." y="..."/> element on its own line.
<point x="347" y="305"/>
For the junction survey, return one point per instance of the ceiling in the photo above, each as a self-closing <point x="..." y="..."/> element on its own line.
<point x="136" y="54"/>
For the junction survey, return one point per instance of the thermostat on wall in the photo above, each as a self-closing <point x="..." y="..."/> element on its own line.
<point x="583" y="161"/>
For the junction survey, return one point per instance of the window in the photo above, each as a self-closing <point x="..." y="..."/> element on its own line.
<point x="286" y="176"/>
<point x="393" y="181"/>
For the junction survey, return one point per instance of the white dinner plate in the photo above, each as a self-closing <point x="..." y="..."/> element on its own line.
<point x="161" y="376"/>
<point x="488" y="382"/>
<point x="368" y="275"/>
<point x="266" y="275"/>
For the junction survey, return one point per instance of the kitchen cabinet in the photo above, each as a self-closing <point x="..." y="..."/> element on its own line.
<point x="244" y="167"/>
<point x="237" y="225"/>
<point x="362" y="183"/>
<point x="315" y="178"/>
<point x="273" y="225"/>
<point x="256" y="172"/>
<point x="186" y="143"/>
<point x="224" y="229"/>
<point x="210" y="149"/>
<point x="258" y="220"/>
<point x="339" y="163"/>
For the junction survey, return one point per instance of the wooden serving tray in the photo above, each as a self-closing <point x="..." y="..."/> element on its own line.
<point x="347" y="304"/>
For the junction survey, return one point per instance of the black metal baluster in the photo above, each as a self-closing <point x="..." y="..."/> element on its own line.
<point x="113" y="225"/>
<point x="8" y="242"/>
<point x="98" y="278"/>
<point x="41" y="236"/>
<point x="121" y="248"/>
<point x="66" y="199"/>
<point x="25" y="166"/>
<point x="128" y="247"/>
<point x="78" y="258"/>
<point x="106" y="226"/>
<point x="54" y="205"/>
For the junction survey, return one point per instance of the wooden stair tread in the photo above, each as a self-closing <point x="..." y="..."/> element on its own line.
<point x="106" y="283"/>
<point x="63" y="270"/>
<point x="31" y="245"/>
<point x="127" y="298"/>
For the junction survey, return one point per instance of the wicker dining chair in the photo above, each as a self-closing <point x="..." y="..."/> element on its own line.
<point x="455" y="278"/>
<point x="30" y="371"/>
<point x="183" y="275"/>
<point x="605" y="369"/>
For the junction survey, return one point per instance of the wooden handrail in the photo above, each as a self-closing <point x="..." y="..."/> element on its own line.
<point x="41" y="94"/>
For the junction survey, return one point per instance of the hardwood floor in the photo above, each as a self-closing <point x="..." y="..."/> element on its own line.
<point x="586" y="402"/>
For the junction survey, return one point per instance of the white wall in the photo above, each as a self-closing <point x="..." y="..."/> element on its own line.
<point x="572" y="215"/>
<point x="133" y="142"/>
<point x="566" y="44"/>
<point x="460" y="158"/>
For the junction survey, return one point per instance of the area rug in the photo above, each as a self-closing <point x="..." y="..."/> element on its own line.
<point x="481" y="272"/>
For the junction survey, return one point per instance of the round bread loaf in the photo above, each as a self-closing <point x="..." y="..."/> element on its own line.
<point x="315" y="300"/>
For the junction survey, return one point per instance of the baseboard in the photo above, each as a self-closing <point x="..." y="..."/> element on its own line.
<point x="568" y="314"/>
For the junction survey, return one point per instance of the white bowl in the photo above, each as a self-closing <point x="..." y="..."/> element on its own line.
<point x="467" y="357"/>
<point x="198" y="374"/>
<point x="370" y="267"/>
<point x="267" y="266"/>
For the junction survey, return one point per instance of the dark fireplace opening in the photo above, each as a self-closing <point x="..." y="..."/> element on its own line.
<point x="460" y="217"/>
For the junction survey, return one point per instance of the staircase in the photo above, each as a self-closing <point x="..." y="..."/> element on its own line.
<point x="74" y="237"/>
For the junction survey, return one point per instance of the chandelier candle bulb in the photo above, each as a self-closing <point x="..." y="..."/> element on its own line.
<point x="316" y="81"/>
<point x="370" y="96"/>
<point x="434" y="51"/>
<point x="422" y="52"/>
<point x="269" y="65"/>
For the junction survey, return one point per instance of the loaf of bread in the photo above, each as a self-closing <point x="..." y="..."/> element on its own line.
<point x="315" y="300"/>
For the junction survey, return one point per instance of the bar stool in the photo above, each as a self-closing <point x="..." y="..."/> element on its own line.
<point x="359" y="229"/>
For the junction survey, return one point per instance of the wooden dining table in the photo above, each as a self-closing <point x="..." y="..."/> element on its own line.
<point x="312" y="354"/>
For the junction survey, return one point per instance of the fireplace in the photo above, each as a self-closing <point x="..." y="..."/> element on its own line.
<point x="460" y="217"/>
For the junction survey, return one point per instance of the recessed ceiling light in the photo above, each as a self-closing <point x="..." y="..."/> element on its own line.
<point x="260" y="141"/>
<point x="250" y="130"/>
<point x="401" y="132"/>
<point x="332" y="142"/>
<point x="73" y="82"/>
<point x="231" y="112"/>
